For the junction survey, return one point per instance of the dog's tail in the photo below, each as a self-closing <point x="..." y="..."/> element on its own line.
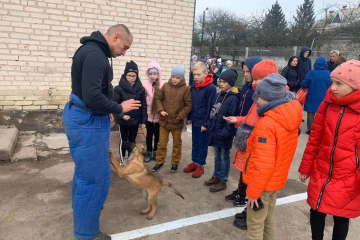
<point x="166" y="183"/>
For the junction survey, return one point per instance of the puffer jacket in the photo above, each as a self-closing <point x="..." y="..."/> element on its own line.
<point x="150" y="89"/>
<point x="176" y="101"/>
<point x="291" y="75"/>
<point x="318" y="82"/>
<point x="202" y="100"/>
<point x="271" y="148"/>
<point x="220" y="133"/>
<point x="331" y="157"/>
<point x="124" y="91"/>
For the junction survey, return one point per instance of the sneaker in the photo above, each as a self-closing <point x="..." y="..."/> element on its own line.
<point x="218" y="187"/>
<point x="241" y="215"/>
<point x="240" y="223"/>
<point x="233" y="196"/>
<point x="174" y="168"/>
<point x="157" y="167"/>
<point x="198" y="171"/>
<point x="240" y="202"/>
<point x="212" y="181"/>
<point x="190" y="168"/>
<point x="153" y="157"/>
<point x="147" y="156"/>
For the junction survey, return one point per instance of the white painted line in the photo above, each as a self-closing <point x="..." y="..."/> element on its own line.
<point x="228" y="212"/>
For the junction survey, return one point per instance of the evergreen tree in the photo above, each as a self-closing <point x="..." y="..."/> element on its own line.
<point x="304" y="21"/>
<point x="275" y="27"/>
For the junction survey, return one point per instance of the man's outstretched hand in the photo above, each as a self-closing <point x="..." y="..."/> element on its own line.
<point x="129" y="105"/>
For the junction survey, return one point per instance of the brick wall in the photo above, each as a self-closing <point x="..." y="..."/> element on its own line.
<point x="39" y="38"/>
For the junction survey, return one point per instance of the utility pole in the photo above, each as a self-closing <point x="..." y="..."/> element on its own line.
<point x="202" y="30"/>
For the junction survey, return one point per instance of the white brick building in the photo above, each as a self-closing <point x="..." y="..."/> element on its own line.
<point x="39" y="37"/>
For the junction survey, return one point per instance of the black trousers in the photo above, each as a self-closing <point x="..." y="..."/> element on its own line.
<point x="152" y="129"/>
<point x="128" y="134"/>
<point x="242" y="187"/>
<point x="317" y="222"/>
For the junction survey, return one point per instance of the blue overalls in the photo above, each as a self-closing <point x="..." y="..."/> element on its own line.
<point x="88" y="133"/>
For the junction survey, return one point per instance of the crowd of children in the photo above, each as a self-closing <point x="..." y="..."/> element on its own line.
<point x="263" y="119"/>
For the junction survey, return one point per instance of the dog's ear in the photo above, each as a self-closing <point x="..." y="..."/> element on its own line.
<point x="142" y="150"/>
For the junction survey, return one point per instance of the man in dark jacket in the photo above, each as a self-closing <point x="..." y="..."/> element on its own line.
<point x="87" y="125"/>
<point x="334" y="55"/>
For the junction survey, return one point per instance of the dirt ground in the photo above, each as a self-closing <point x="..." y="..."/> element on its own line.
<point x="35" y="200"/>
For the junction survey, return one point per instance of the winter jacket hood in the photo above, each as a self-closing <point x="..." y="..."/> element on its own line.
<point x="251" y="62"/>
<point x="98" y="39"/>
<point x="208" y="80"/>
<point x="157" y="67"/>
<point x="303" y="50"/>
<point x="321" y="64"/>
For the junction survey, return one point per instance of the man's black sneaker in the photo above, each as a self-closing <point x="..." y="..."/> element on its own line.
<point x="157" y="167"/>
<point x="239" y="202"/>
<point x="174" y="168"/>
<point x="241" y="215"/>
<point x="240" y="223"/>
<point x="232" y="196"/>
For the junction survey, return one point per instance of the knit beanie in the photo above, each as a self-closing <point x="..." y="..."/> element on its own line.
<point x="131" y="67"/>
<point x="194" y="57"/>
<point x="264" y="69"/>
<point x="349" y="73"/>
<point x="153" y="70"/>
<point x="230" y="76"/>
<point x="272" y="87"/>
<point x="178" y="70"/>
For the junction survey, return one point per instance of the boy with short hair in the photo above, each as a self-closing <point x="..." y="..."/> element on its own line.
<point x="220" y="132"/>
<point x="270" y="150"/>
<point x="203" y="93"/>
<point x="173" y="104"/>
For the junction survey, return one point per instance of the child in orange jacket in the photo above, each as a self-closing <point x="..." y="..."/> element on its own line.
<point x="271" y="148"/>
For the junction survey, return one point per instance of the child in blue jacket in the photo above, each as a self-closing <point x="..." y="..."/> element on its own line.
<point x="220" y="132"/>
<point x="203" y="93"/>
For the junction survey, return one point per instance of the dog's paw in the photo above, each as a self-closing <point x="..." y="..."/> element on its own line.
<point x="149" y="217"/>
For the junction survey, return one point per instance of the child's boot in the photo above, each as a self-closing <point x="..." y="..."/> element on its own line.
<point x="153" y="156"/>
<point x="218" y="187"/>
<point x="198" y="171"/>
<point x="147" y="156"/>
<point x="190" y="168"/>
<point x="212" y="181"/>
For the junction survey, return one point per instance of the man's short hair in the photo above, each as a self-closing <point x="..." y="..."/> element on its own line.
<point x="200" y="66"/>
<point x="119" y="28"/>
<point x="336" y="52"/>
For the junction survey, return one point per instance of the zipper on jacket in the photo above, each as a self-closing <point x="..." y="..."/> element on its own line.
<point x="357" y="160"/>
<point x="247" y="162"/>
<point x="331" y="159"/>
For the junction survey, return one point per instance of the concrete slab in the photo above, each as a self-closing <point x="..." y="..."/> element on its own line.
<point x="8" y="140"/>
<point x="56" y="141"/>
<point x="24" y="154"/>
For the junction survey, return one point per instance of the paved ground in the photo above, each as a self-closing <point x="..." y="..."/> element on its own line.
<point x="35" y="199"/>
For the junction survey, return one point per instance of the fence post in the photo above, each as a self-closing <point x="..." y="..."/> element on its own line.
<point x="246" y="52"/>
<point x="295" y="50"/>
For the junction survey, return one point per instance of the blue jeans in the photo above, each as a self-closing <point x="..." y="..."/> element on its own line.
<point x="222" y="163"/>
<point x="88" y="137"/>
<point x="199" y="146"/>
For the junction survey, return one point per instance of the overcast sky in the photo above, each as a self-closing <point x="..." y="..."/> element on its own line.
<point x="248" y="7"/>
